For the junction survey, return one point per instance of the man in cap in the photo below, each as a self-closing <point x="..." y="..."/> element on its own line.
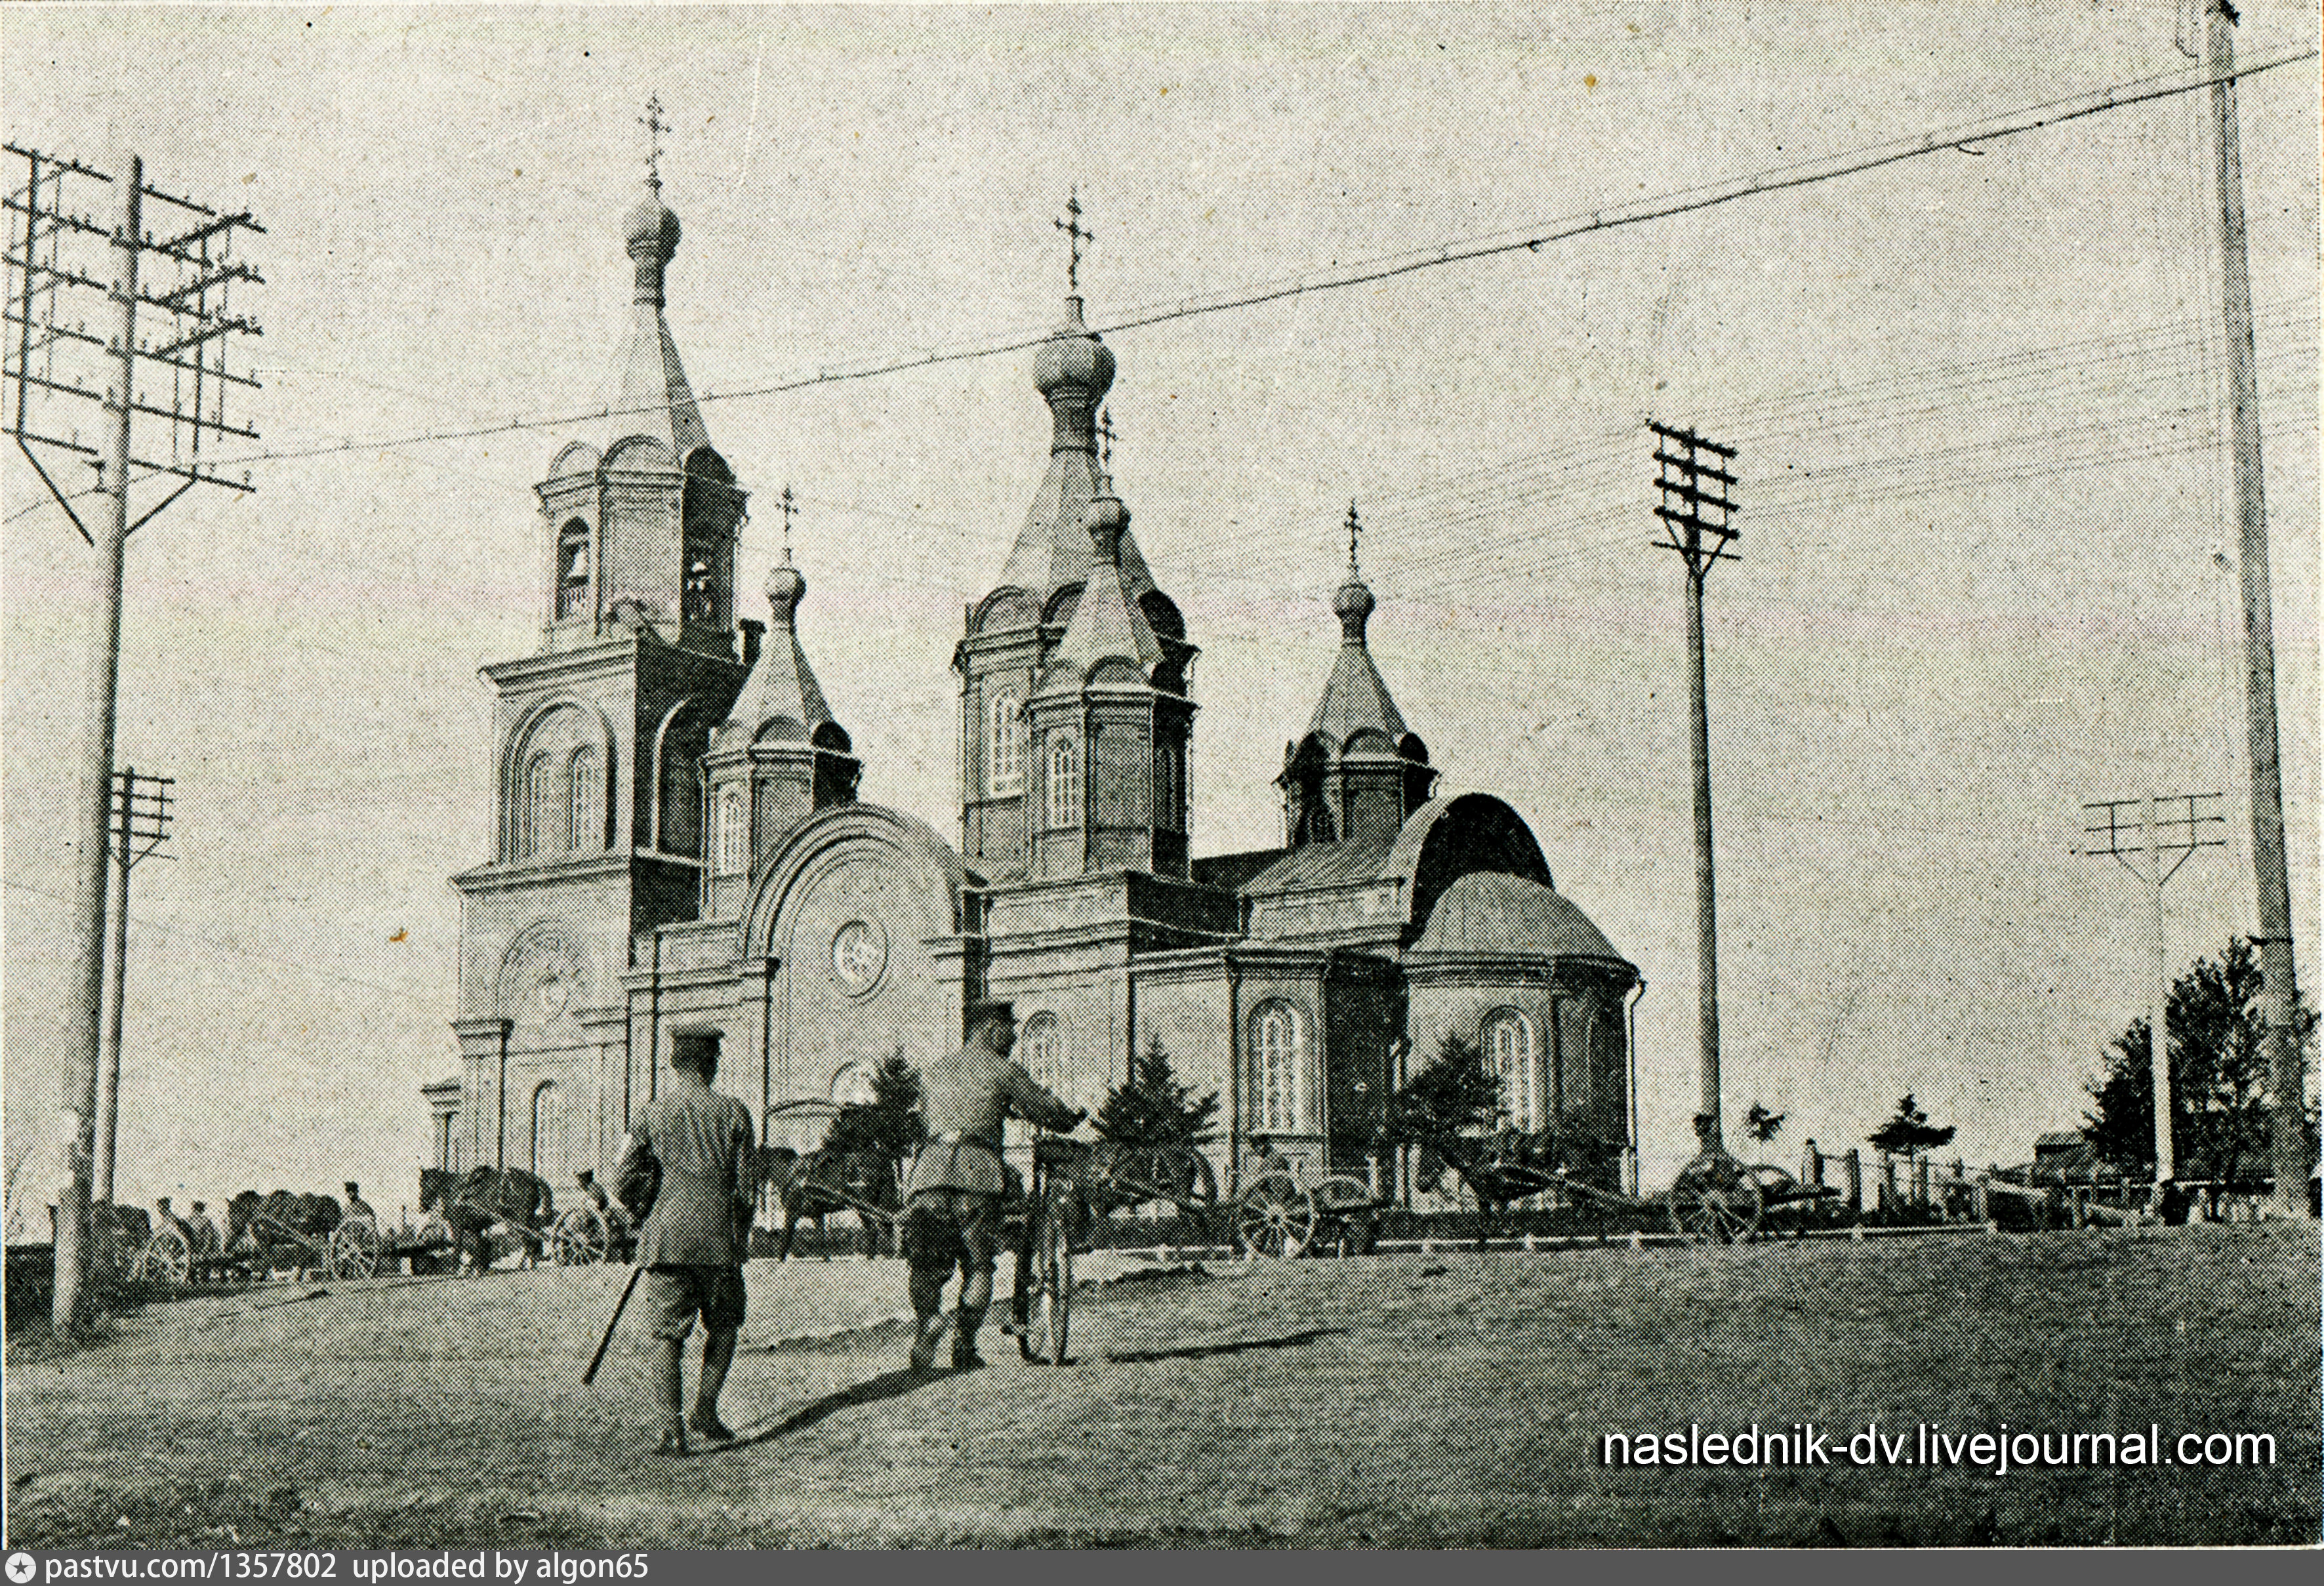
<point x="697" y="1143"/>
<point x="358" y="1209"/>
<point x="204" y="1231"/>
<point x="952" y="1215"/>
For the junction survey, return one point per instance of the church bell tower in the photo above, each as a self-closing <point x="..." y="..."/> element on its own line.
<point x="599" y="735"/>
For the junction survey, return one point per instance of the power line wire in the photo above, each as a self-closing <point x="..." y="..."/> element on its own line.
<point x="1774" y="179"/>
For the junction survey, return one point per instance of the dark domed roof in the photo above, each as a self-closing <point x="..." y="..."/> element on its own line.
<point x="1074" y="356"/>
<point x="1490" y="914"/>
<point x="652" y="224"/>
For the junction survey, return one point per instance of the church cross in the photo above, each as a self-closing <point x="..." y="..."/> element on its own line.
<point x="1355" y="529"/>
<point x="655" y="126"/>
<point x="1105" y="433"/>
<point x="1072" y="226"/>
<point x="790" y="510"/>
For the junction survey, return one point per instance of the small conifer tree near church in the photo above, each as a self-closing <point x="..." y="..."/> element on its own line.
<point x="1152" y="1108"/>
<point x="890" y="1124"/>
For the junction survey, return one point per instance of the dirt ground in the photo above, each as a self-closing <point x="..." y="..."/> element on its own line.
<point x="1398" y="1400"/>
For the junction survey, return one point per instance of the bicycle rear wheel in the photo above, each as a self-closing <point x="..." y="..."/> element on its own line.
<point x="1056" y="1298"/>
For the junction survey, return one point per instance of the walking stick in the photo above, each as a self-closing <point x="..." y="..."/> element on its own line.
<point x="606" y="1342"/>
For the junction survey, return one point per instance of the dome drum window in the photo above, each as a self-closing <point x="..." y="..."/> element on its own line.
<point x="1044" y="1056"/>
<point x="733" y="834"/>
<point x="573" y="571"/>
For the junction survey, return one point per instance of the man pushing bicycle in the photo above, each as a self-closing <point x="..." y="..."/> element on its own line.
<point x="952" y="1215"/>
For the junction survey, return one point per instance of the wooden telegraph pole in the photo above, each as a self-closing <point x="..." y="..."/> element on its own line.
<point x="2153" y="838"/>
<point x="2279" y="993"/>
<point x="1687" y="462"/>
<point x="178" y="375"/>
<point x="141" y="824"/>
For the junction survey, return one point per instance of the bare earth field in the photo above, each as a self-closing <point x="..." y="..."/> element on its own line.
<point x="1398" y="1400"/>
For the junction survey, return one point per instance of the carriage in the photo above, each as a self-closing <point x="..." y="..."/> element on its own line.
<point x="1714" y="1199"/>
<point x="260" y="1230"/>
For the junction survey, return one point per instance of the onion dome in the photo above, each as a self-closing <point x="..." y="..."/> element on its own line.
<point x="1074" y="358"/>
<point x="1353" y="605"/>
<point x="651" y="235"/>
<point x="781" y="699"/>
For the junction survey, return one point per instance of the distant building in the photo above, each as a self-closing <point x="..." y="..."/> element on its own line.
<point x="680" y="845"/>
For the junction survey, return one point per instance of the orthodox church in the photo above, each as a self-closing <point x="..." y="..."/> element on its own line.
<point x="678" y="844"/>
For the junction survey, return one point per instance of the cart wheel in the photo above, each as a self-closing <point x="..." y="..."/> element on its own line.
<point x="1057" y="1299"/>
<point x="1275" y="1217"/>
<point x="579" y="1238"/>
<point x="1713" y="1201"/>
<point x="353" y="1250"/>
<point x="167" y="1257"/>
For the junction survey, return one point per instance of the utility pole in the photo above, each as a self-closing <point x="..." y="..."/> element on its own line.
<point x="141" y="823"/>
<point x="2152" y="837"/>
<point x="2279" y="993"/>
<point x="1700" y="522"/>
<point x="54" y="250"/>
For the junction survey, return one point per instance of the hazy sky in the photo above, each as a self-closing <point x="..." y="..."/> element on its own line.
<point x="1977" y="397"/>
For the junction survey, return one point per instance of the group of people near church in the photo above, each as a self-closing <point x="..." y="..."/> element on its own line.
<point x="204" y="1241"/>
<point x="688" y="1171"/>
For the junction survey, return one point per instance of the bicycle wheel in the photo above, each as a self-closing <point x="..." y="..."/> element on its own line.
<point x="1056" y="1298"/>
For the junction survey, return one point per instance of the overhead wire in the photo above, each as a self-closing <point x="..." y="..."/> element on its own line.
<point x="1773" y="180"/>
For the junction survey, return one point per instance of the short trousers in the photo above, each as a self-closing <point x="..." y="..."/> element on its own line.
<point x="674" y="1294"/>
<point x="945" y="1227"/>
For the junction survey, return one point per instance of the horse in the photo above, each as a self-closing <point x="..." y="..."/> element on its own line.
<point x="473" y="1204"/>
<point x="280" y="1231"/>
<point x="1108" y="1175"/>
<point x="823" y="1182"/>
<point x="122" y="1234"/>
<point x="1500" y="1168"/>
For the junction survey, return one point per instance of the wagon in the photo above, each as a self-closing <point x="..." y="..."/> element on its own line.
<point x="584" y="1236"/>
<point x="353" y="1249"/>
<point x="1715" y="1199"/>
<point x="1280" y="1215"/>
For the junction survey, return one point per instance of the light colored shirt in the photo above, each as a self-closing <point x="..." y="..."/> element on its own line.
<point x="964" y="1097"/>
<point x="709" y="1185"/>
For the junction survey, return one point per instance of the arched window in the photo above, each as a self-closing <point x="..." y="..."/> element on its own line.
<point x="1279" y="1062"/>
<point x="573" y="569"/>
<point x="734" y="832"/>
<point x="586" y="802"/>
<point x="851" y="1086"/>
<point x="1064" y="782"/>
<point x="1170" y="787"/>
<point x="1044" y="1056"/>
<point x="1004" y="755"/>
<point x="548" y="1120"/>
<point x="1509" y="1047"/>
<point x="543" y="830"/>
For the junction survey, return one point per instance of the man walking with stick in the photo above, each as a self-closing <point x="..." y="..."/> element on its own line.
<point x="696" y="1229"/>
<point x="952" y="1215"/>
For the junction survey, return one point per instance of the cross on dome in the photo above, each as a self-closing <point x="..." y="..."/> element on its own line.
<point x="789" y="505"/>
<point x="1355" y="529"/>
<point x="1105" y="434"/>
<point x="655" y="126"/>
<point x="1072" y="226"/>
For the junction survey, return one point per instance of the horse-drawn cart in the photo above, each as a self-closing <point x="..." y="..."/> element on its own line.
<point x="1280" y="1215"/>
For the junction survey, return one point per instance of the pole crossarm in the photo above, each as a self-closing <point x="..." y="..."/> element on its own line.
<point x="1687" y="461"/>
<point x="145" y="825"/>
<point x="2119" y="841"/>
<point x="54" y="250"/>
